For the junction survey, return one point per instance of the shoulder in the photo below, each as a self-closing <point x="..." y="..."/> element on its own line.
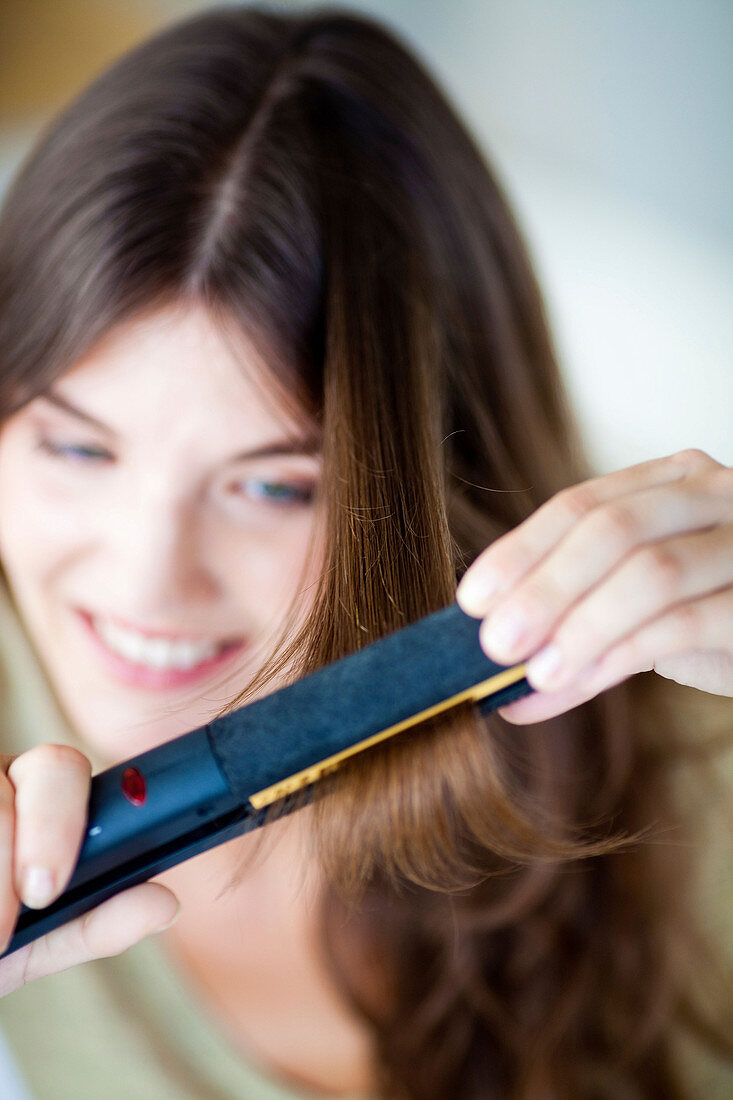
<point x="29" y="711"/>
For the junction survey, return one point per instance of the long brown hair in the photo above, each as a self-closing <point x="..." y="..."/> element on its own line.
<point x="304" y="177"/>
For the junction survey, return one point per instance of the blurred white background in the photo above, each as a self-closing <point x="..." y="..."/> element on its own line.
<point x="608" y="122"/>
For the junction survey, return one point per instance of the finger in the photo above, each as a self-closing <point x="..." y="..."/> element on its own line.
<point x="688" y="630"/>
<point x="593" y="548"/>
<point x="107" y="930"/>
<point x="51" y="795"/>
<point x="544" y="705"/>
<point x="677" y="635"/>
<point x="647" y="584"/>
<point x="9" y="901"/>
<point x="503" y="564"/>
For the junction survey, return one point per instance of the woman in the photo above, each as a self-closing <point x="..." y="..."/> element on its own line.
<point x="274" y="371"/>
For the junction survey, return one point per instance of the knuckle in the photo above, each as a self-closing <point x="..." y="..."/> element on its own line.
<point x="18" y="769"/>
<point x="50" y="757"/>
<point x="692" y="458"/>
<point x="685" y="622"/>
<point x="660" y="569"/>
<point x="616" y="523"/>
<point x="538" y="596"/>
<point x="512" y="562"/>
<point x="64" y="756"/>
<point x="578" y="501"/>
<point x="578" y="634"/>
<point x="719" y="481"/>
<point x="6" y="759"/>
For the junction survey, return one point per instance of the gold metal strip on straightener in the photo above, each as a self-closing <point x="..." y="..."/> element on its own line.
<point x="310" y="775"/>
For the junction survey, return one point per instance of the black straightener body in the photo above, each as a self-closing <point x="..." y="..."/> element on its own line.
<point x="216" y="782"/>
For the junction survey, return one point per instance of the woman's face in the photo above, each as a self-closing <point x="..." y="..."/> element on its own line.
<point x="155" y="538"/>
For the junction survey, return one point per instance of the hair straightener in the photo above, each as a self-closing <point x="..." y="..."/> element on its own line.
<point x="217" y="782"/>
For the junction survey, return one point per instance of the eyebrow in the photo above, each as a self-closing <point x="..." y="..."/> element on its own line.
<point x="309" y="445"/>
<point x="60" y="402"/>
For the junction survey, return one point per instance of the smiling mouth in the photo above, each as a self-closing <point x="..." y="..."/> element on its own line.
<point x="157" y="654"/>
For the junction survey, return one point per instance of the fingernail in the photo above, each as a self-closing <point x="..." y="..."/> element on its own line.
<point x="475" y="590"/>
<point x="505" y="629"/>
<point x="37" y="887"/>
<point x="541" y="668"/>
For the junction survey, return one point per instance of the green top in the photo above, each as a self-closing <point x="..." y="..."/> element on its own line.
<point x="130" y="1026"/>
<point x="127" y="1027"/>
<point x="116" y="1028"/>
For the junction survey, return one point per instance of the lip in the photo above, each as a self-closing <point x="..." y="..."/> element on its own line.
<point x="153" y="678"/>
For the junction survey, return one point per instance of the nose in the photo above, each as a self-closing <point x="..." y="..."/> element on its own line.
<point x="160" y="555"/>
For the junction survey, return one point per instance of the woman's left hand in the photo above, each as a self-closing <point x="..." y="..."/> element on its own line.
<point x="624" y="573"/>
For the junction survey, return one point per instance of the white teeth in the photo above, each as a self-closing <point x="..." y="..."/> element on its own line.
<point x="154" y="652"/>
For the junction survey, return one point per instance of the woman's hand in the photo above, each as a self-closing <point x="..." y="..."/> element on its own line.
<point x="43" y="801"/>
<point x="621" y="574"/>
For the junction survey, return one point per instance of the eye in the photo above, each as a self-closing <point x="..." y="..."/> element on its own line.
<point x="74" y="452"/>
<point x="278" y="492"/>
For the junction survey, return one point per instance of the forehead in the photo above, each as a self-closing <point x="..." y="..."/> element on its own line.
<point x="179" y="365"/>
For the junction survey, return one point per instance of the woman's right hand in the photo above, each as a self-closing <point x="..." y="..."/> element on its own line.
<point x="43" y="802"/>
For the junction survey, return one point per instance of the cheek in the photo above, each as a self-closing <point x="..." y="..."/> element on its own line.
<point x="271" y="571"/>
<point x="38" y="528"/>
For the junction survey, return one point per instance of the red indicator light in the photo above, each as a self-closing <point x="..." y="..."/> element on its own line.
<point x="133" y="786"/>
